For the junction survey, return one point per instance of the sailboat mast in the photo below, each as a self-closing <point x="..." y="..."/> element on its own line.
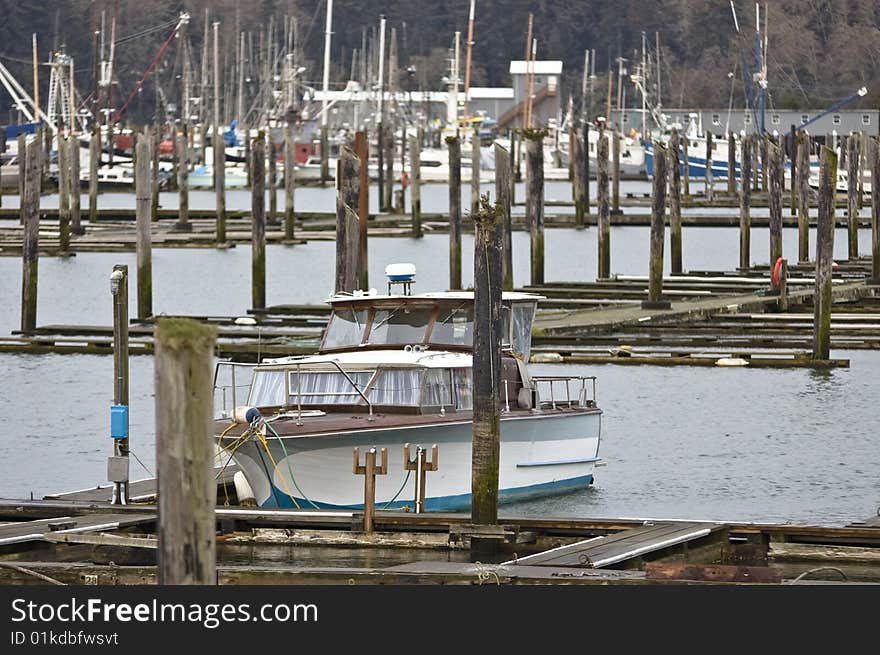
<point x="528" y="98"/>
<point x="467" y="65"/>
<point x="326" y="81"/>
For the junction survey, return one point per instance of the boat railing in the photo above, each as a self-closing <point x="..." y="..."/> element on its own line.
<point x="554" y="391"/>
<point x="230" y="390"/>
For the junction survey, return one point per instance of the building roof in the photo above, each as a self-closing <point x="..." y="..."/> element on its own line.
<point x="552" y="67"/>
<point x="490" y="93"/>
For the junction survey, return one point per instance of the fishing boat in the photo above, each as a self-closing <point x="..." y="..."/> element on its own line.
<point x="395" y="369"/>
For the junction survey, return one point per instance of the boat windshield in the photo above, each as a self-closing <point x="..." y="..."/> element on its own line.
<point x="399" y="325"/>
<point x="346" y="328"/>
<point x="454" y="327"/>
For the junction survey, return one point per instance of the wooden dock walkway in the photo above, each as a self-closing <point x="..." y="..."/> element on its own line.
<point x="36" y="530"/>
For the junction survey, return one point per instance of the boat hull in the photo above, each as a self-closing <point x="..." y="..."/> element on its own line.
<point x="541" y="454"/>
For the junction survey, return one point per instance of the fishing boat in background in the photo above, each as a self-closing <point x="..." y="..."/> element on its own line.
<point x="395" y="369"/>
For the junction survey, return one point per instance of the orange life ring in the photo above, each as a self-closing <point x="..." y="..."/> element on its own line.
<point x="776" y="270"/>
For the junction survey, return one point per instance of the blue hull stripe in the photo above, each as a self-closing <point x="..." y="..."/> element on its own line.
<point x="445" y="503"/>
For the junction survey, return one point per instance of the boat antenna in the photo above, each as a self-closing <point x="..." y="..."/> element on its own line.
<point x="735" y="21"/>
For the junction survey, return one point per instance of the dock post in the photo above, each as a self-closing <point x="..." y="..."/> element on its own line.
<point x="853" y="155"/>
<point x="603" y="220"/>
<point x="756" y="162"/>
<point x="220" y="185"/>
<point x="512" y="165"/>
<point x="487" y="369"/>
<point x="453" y="145"/>
<point x="63" y="195"/>
<point x="347" y="222"/>
<point x="803" y="191"/>
<point x="775" y="173"/>
<point x="289" y="184"/>
<point x="793" y="155"/>
<point x="675" y="241"/>
<point x="2" y="150"/>
<point x="75" y="198"/>
<point x="380" y="169"/>
<point x="579" y="181"/>
<point x="535" y="202"/>
<point x="258" y="222"/>
<point x="29" y="210"/>
<point x="362" y="150"/>
<point x="502" y="197"/>
<point x="155" y="140"/>
<point x="400" y="194"/>
<point x="247" y="156"/>
<point x="658" y="228"/>
<point x="822" y="299"/>
<point x="118" y="468"/>
<point x="389" y="168"/>
<point x="325" y="154"/>
<point x="22" y="167"/>
<point x="745" y="199"/>
<point x="765" y="167"/>
<point x="731" y="164"/>
<point x="686" y="179"/>
<point x="615" y="172"/>
<point x="272" y="216"/>
<point x="183" y="223"/>
<point x="585" y="145"/>
<point x="143" y="218"/>
<point x="94" y="162"/>
<point x="475" y="170"/>
<point x="370" y="470"/>
<point x="185" y="452"/>
<point x="415" y="184"/>
<point x="710" y="182"/>
<point x="874" y="154"/>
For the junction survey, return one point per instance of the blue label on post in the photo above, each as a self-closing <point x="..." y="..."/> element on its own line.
<point x="119" y="421"/>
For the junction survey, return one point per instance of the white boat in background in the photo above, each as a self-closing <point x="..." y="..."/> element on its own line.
<point x="395" y="370"/>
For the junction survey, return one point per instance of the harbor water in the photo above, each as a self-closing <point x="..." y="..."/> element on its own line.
<point x="677" y="442"/>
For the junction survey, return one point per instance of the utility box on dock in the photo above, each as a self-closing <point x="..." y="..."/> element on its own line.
<point x="119" y="421"/>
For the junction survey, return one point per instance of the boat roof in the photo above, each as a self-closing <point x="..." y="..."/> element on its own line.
<point x="511" y="296"/>
<point x="395" y="357"/>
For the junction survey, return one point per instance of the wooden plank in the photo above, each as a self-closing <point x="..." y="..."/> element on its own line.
<point x="13" y="533"/>
<point x="711" y="572"/>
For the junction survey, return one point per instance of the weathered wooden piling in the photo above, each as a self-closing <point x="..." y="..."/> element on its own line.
<point x="658" y="227"/>
<point x="603" y="209"/>
<point x="155" y="139"/>
<point x="502" y="197"/>
<point x="400" y="194"/>
<point x="325" y="154"/>
<point x="183" y="223"/>
<point x="370" y="469"/>
<point x="486" y="370"/>
<point x="585" y="146"/>
<point x="29" y="210"/>
<point x="453" y="145"/>
<point x="579" y="181"/>
<point x="415" y="185"/>
<point x="513" y="165"/>
<point x="94" y="162"/>
<point x="874" y="155"/>
<point x="475" y="170"/>
<point x="22" y="164"/>
<point x="615" y="172"/>
<point x="686" y="178"/>
<point x="2" y="150"/>
<point x="710" y="182"/>
<point x="258" y="223"/>
<point x="143" y="218"/>
<point x="75" y="198"/>
<point x="289" y="183"/>
<point x="220" y="186"/>
<point x="745" y="199"/>
<point x="272" y="215"/>
<point x="755" y="150"/>
<point x="187" y="490"/>
<point x="380" y="156"/>
<point x="389" y="168"/>
<point x="347" y="222"/>
<point x="822" y="299"/>
<point x="421" y="466"/>
<point x="675" y="240"/>
<point x="247" y="156"/>
<point x="775" y="173"/>
<point x="763" y="144"/>
<point x="362" y="150"/>
<point x="63" y="194"/>
<point x="853" y="159"/>
<point x="803" y="193"/>
<point x="118" y="467"/>
<point x="731" y="164"/>
<point x="535" y="201"/>
<point x="793" y="155"/>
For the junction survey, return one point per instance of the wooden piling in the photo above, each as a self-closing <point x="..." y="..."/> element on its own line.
<point x="22" y="166"/>
<point x="220" y="185"/>
<point x="775" y="173"/>
<point x="475" y="170"/>
<point x="143" y="218"/>
<point x="502" y="197"/>
<point x="325" y="154"/>
<point x="579" y="181"/>
<point x="513" y="166"/>
<point x="289" y="183"/>
<point x="874" y="153"/>
<point x="380" y="156"/>
<point x="453" y="145"/>
<point x="803" y="192"/>
<point x="31" y="155"/>
<point x="247" y="156"/>
<point x="755" y="150"/>
<point x="362" y="150"/>
<point x="187" y="490"/>
<point x="675" y="240"/>
<point x="370" y="469"/>
<point x="765" y="168"/>
<point x="793" y="154"/>
<point x="686" y="178"/>
<point x="585" y="145"/>
<point x="389" y="168"/>
<point x="2" y="150"/>
<point x="822" y="299"/>
<point x="615" y="172"/>
<point x="155" y="139"/>
<point x="603" y="220"/>
<point x="853" y="173"/>
<point x="658" y="228"/>
<point x="487" y="368"/>
<point x="183" y="223"/>
<point x="272" y="216"/>
<point x="258" y="223"/>
<point x="745" y="199"/>
<point x="535" y="202"/>
<point x="415" y="185"/>
<point x="347" y="223"/>
<point x="75" y="198"/>
<point x="710" y="182"/>
<point x="63" y="195"/>
<point x="94" y="162"/>
<point x="731" y="164"/>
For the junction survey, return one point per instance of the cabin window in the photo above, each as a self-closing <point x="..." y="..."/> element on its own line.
<point x="775" y="119"/>
<point x="835" y="120"/>
<point x="866" y="119"/>
<point x="805" y="118"/>
<point x="716" y="119"/>
<point x="454" y="327"/>
<point x="396" y="386"/>
<point x="267" y="389"/>
<point x="346" y="328"/>
<point x="328" y="387"/>
<point x="521" y="329"/>
<point x="463" y="388"/>
<point x="437" y="388"/>
<point x="401" y="325"/>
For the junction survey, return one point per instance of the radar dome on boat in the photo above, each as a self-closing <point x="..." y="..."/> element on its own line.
<point x="400" y="272"/>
